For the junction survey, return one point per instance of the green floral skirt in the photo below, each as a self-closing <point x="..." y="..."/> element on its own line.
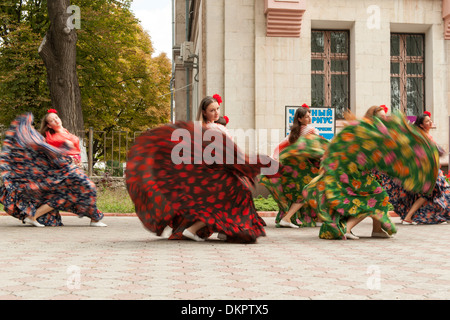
<point x="300" y="164"/>
<point x="346" y="188"/>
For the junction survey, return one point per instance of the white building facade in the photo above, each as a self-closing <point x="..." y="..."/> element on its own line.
<point x="263" y="55"/>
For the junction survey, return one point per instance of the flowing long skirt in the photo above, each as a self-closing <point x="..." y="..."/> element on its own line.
<point x="35" y="173"/>
<point x="346" y="187"/>
<point x="176" y="176"/>
<point x="436" y="208"/>
<point x="301" y="163"/>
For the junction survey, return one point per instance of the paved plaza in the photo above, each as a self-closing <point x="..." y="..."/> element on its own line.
<point x="125" y="261"/>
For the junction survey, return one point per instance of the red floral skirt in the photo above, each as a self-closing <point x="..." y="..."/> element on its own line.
<point x="175" y="188"/>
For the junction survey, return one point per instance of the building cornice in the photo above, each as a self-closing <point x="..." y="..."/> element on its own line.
<point x="284" y="17"/>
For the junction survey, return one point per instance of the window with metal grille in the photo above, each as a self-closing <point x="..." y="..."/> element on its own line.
<point x="330" y="70"/>
<point x="407" y="73"/>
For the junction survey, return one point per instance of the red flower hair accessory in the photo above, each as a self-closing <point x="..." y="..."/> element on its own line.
<point x="51" y="111"/>
<point x="218" y="98"/>
<point x="305" y="106"/>
<point x="427" y="113"/>
<point x="226" y="119"/>
<point x="384" y="108"/>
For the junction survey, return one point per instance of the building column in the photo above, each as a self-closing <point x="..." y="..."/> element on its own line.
<point x="446" y="17"/>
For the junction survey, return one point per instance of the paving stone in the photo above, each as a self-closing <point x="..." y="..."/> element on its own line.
<point x="126" y="262"/>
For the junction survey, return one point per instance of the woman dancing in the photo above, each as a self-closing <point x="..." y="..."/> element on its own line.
<point x="189" y="177"/>
<point x="58" y="136"/>
<point x="41" y="180"/>
<point x="416" y="208"/>
<point x="345" y="191"/>
<point x="299" y="154"/>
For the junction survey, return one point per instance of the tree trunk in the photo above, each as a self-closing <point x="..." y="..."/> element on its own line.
<point x="58" y="51"/>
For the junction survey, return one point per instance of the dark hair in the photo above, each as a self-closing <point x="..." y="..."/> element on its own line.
<point x="206" y="101"/>
<point x="296" y="128"/>
<point x="222" y="121"/>
<point x="419" y="120"/>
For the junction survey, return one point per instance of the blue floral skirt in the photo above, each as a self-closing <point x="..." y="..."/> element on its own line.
<point x="435" y="210"/>
<point x="35" y="173"/>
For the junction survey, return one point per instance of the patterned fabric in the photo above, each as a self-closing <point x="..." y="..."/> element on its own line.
<point x="347" y="188"/>
<point x="174" y="181"/>
<point x="35" y="173"/>
<point x="301" y="163"/>
<point x="435" y="210"/>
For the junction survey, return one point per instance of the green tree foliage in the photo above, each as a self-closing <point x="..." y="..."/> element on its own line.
<point x="122" y="86"/>
<point x="23" y="86"/>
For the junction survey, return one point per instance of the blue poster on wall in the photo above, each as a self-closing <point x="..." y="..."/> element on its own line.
<point x="323" y="119"/>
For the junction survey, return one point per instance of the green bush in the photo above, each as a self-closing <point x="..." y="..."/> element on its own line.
<point x="265" y="204"/>
<point x="115" y="168"/>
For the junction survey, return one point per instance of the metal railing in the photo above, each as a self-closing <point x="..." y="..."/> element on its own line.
<point x="106" y="153"/>
<point x="102" y="153"/>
